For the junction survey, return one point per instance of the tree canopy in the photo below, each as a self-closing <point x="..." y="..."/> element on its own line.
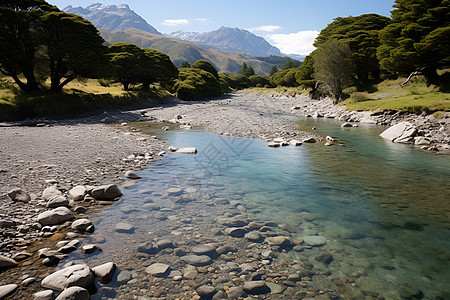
<point x="207" y="66"/>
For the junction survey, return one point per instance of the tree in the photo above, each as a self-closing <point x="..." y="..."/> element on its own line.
<point x="274" y="70"/>
<point x="289" y="64"/>
<point x="333" y="66"/>
<point x="417" y="39"/>
<point x="250" y="71"/>
<point x="126" y="63"/>
<point x="244" y="69"/>
<point x="74" y="47"/>
<point x="284" y="78"/>
<point x="157" y="67"/>
<point x="206" y="66"/>
<point x="18" y="39"/>
<point x="196" y="84"/>
<point x="185" y="64"/>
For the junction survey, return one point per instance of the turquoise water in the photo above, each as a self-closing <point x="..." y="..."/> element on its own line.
<point x="383" y="208"/>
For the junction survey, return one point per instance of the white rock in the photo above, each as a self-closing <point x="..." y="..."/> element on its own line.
<point x="172" y="149"/>
<point x="295" y="143"/>
<point x="7" y="290"/>
<point x="74" y="293"/>
<point x="104" y="273"/>
<point x="314" y="240"/>
<point x="55" y="216"/>
<point x="19" y="195"/>
<point x="57" y="201"/>
<point x="43" y="295"/>
<point x="76" y="275"/>
<point x="157" y="269"/>
<point x="77" y="193"/>
<point x="187" y="150"/>
<point x="347" y="125"/>
<point x="50" y="192"/>
<point x="124" y="227"/>
<point x="81" y="225"/>
<point x="403" y="132"/>
<point x="279" y="140"/>
<point x="273" y="145"/>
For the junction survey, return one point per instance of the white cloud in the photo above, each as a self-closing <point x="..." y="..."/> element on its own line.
<point x="176" y="22"/>
<point x="202" y="20"/>
<point x="300" y="43"/>
<point x="266" y="28"/>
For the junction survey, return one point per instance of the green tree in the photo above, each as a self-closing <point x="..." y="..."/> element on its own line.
<point x="289" y="64"/>
<point x="185" y="64"/>
<point x="126" y="63"/>
<point x="19" y="20"/>
<point x="361" y="33"/>
<point x="244" y="69"/>
<point x="196" y="84"/>
<point x="250" y="71"/>
<point x="284" y="78"/>
<point x="206" y="66"/>
<point x="333" y="66"/>
<point x="157" y="67"/>
<point x="417" y="39"/>
<point x="260" y="81"/>
<point x="273" y="70"/>
<point x="74" y="47"/>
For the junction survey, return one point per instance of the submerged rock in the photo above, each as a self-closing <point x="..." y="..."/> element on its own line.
<point x="157" y="269"/>
<point x="256" y="287"/>
<point x="197" y="260"/>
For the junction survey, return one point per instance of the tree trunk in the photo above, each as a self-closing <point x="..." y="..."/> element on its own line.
<point x="431" y="75"/>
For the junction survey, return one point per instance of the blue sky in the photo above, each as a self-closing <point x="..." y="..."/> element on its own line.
<point x="291" y="25"/>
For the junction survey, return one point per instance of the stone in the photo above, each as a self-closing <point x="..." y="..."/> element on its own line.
<point x="82" y="225"/>
<point x="281" y="241"/>
<point x="163" y="244"/>
<point x="76" y="275"/>
<point x="77" y="193"/>
<point x="279" y="140"/>
<point x="19" y="195"/>
<point x="57" y="201"/>
<point x="124" y="277"/>
<point x="314" y="240"/>
<point x="157" y="269"/>
<point x="190" y="272"/>
<point x="326" y="258"/>
<point x="253" y="236"/>
<point x="276" y="288"/>
<point x="21" y="256"/>
<point x="6" y="262"/>
<point x="197" y="260"/>
<point x="90" y="248"/>
<point x="132" y="175"/>
<point x="346" y="124"/>
<point x="55" y="216"/>
<point x="235" y="292"/>
<point x="69" y="247"/>
<point x="206" y="290"/>
<point x="43" y="295"/>
<point x="309" y="140"/>
<point x="172" y="149"/>
<point x="256" y="287"/>
<point x="106" y="192"/>
<point x="50" y="193"/>
<point x="295" y="143"/>
<point x="187" y="150"/>
<point x="105" y="272"/>
<point x="235" y="231"/>
<point x="124" y="227"/>
<point x="174" y="191"/>
<point x="74" y="293"/>
<point x="203" y="249"/>
<point x="273" y="145"/>
<point x="402" y="132"/>
<point x="420" y="140"/>
<point x="148" y="247"/>
<point x="7" y="290"/>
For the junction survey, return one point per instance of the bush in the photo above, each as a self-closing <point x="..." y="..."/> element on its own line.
<point x="360" y="96"/>
<point x="260" y="80"/>
<point x="196" y="84"/>
<point x="103" y="82"/>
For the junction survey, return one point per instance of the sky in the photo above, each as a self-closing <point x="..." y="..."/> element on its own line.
<point x="290" y="25"/>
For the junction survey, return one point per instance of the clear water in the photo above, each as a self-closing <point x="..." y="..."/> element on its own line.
<point x="383" y="208"/>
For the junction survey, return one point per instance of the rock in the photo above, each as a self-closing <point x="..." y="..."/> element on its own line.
<point x="174" y="191"/>
<point x="132" y="175"/>
<point x="295" y="143"/>
<point x="124" y="277"/>
<point x="76" y="275"/>
<point x="69" y="247"/>
<point x="326" y="258"/>
<point x="420" y="140"/>
<point x="7" y="290"/>
<point x="346" y="124"/>
<point x="74" y="293"/>
<point x="50" y="193"/>
<point x="55" y="216"/>
<point x="197" y="260"/>
<point x="172" y="149"/>
<point x="77" y="193"/>
<point x="163" y="244"/>
<point x="275" y="288"/>
<point x="279" y="140"/>
<point x="206" y="290"/>
<point x="82" y="225"/>
<point x="235" y="231"/>
<point x="90" y="248"/>
<point x="106" y="192"/>
<point x="19" y="195"/>
<point x="233" y="222"/>
<point x="235" y="292"/>
<point x="124" y="228"/>
<point x="190" y="272"/>
<point x="256" y="287"/>
<point x="6" y="262"/>
<point x="43" y="295"/>
<point x="21" y="256"/>
<point x="157" y="269"/>
<point x="148" y="247"/>
<point x="281" y="241"/>
<point x="203" y="249"/>
<point x="309" y="140"/>
<point x="314" y="240"/>
<point x="402" y="132"/>
<point x="253" y="236"/>
<point x="105" y="272"/>
<point x="187" y="150"/>
<point x="273" y="145"/>
<point x="57" y="201"/>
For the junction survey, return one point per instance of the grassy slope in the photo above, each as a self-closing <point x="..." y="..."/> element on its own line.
<point x="178" y="50"/>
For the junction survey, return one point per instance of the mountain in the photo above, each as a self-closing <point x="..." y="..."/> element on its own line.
<point x="180" y="51"/>
<point x="230" y="39"/>
<point x="112" y="17"/>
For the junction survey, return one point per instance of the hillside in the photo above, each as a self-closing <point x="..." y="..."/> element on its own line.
<point x="112" y="17"/>
<point x="230" y="39"/>
<point x="180" y="51"/>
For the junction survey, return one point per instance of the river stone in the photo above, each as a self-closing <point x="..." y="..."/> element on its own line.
<point x="77" y="193"/>
<point x="309" y="140"/>
<point x="19" y="195"/>
<point x="276" y="288"/>
<point x="326" y="258"/>
<point x="206" y="290"/>
<point x="402" y="132"/>
<point x="174" y="191"/>
<point x="157" y="269"/>
<point x="235" y="231"/>
<point x="203" y="249"/>
<point x="55" y="216"/>
<point x="187" y="150"/>
<point x="50" y="192"/>
<point x="124" y="227"/>
<point x="235" y="292"/>
<point x="82" y="225"/>
<point x="124" y="277"/>
<point x="253" y="236"/>
<point x="90" y="248"/>
<point x="76" y="275"/>
<point x="6" y="262"/>
<point x="43" y="295"/>
<point x="106" y="192"/>
<point x="295" y="143"/>
<point x="234" y="222"/>
<point x="279" y="140"/>
<point x="21" y="256"/>
<point x="148" y="247"/>
<point x="69" y="247"/>
<point x="132" y="175"/>
<point x="256" y="287"/>
<point x="74" y="293"/>
<point x="163" y="244"/>
<point x="105" y="272"/>
<point x="57" y="201"/>
<point x="7" y="290"/>
<point x="279" y="241"/>
<point x="197" y="260"/>
<point x="314" y="240"/>
<point x="273" y="145"/>
<point x="346" y="124"/>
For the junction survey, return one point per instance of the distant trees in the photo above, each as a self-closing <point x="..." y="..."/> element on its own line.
<point x="247" y="70"/>
<point x="273" y="70"/>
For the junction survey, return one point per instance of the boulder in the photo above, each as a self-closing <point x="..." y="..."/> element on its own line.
<point x="69" y="247"/>
<point x="273" y="145"/>
<point x="346" y="124"/>
<point x="187" y="150"/>
<point x="57" y="201"/>
<point x="43" y="295"/>
<point x="19" y="195"/>
<point x="256" y="287"/>
<point x="106" y="192"/>
<point x="76" y="275"/>
<point x="402" y="132"/>
<point x="77" y="193"/>
<point x="295" y="143"/>
<point x="7" y="290"/>
<point x="105" y="272"/>
<point x="55" y="216"/>
<point x="74" y="293"/>
<point x="132" y="175"/>
<point x="309" y="140"/>
<point x="90" y="248"/>
<point x="50" y="193"/>
<point x="82" y="225"/>
<point x="6" y="262"/>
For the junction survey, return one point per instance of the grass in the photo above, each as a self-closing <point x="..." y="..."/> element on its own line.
<point x="290" y="91"/>
<point x="79" y="96"/>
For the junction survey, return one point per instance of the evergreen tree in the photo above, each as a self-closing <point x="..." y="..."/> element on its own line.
<point x="274" y="70"/>
<point x="185" y="64"/>
<point x="244" y="69"/>
<point x="289" y="64"/>
<point x="250" y="71"/>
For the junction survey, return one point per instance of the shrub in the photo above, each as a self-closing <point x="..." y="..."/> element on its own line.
<point x="196" y="84"/>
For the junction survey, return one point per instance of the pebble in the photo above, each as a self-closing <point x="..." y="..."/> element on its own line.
<point x="157" y="269"/>
<point x="256" y="287"/>
<point x="124" y="227"/>
<point x="206" y="290"/>
<point x="197" y="260"/>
